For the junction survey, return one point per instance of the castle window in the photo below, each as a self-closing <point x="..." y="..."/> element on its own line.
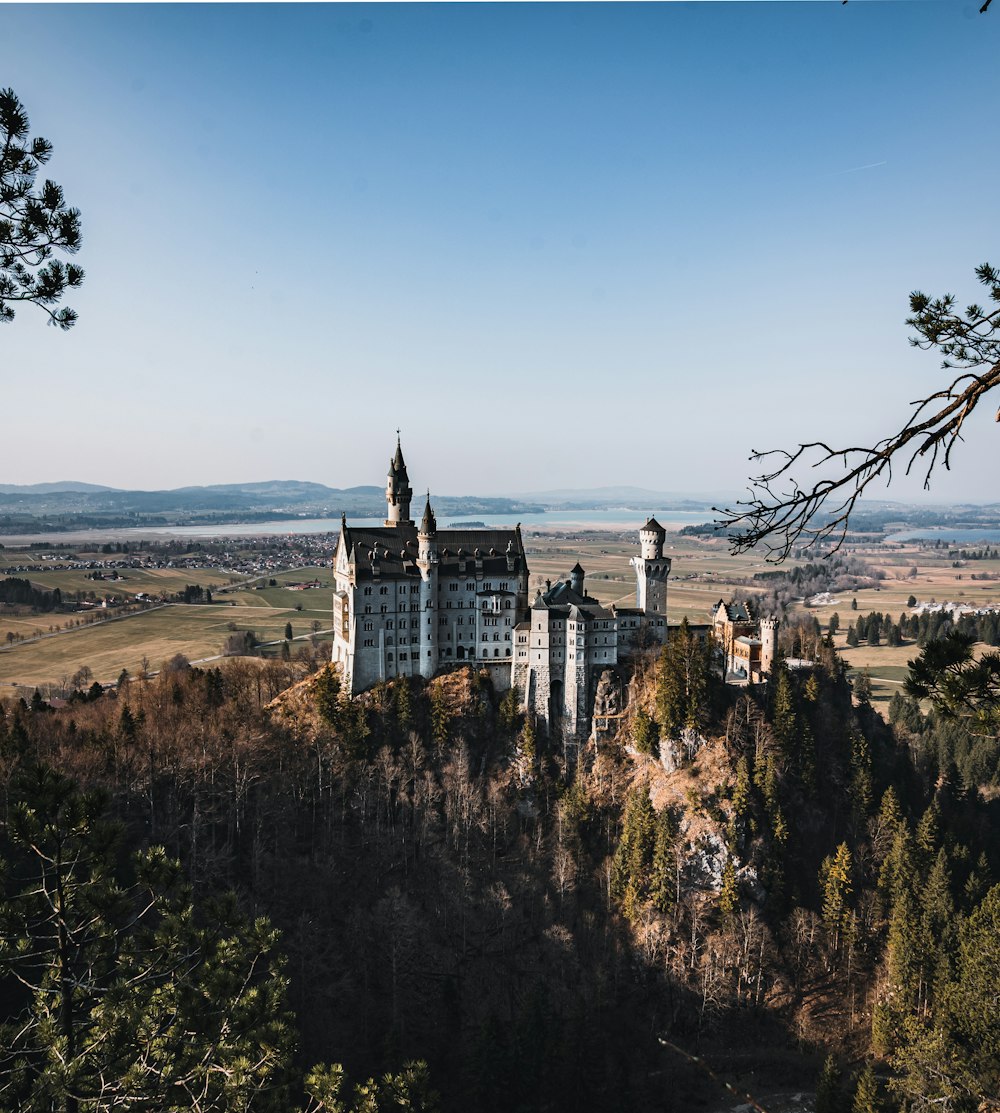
<point x="383" y="590"/>
<point x="369" y="642"/>
<point x="496" y="652"/>
<point x="402" y="608"/>
<point x="383" y="609"/>
<point x="470" y="587"/>
<point x="388" y="624"/>
<point x="368" y="591"/>
<point x="369" y="626"/>
<point x="442" y="620"/>
<point x="389" y="655"/>
<point x="453" y="587"/>
<point x="487" y="587"/>
<point x="449" y="604"/>
<point x="388" y="641"/>
<point x="504" y="586"/>
<point x="402" y="656"/>
<point x="368" y="608"/>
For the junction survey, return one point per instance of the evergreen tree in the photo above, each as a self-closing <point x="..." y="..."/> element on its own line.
<point x="683" y="680"/>
<point x="130" y="1002"/>
<point x="829" y="1098"/>
<point x="662" y="879"/>
<point x="866" y="1093"/>
<point x="837" y="885"/>
<point x="633" y="857"/>
<point x="326" y="690"/>
<point x="644" y="733"/>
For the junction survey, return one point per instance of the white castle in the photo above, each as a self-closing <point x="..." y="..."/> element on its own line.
<point x="413" y="600"/>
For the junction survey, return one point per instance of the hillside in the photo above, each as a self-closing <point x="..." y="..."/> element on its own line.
<point x="447" y="891"/>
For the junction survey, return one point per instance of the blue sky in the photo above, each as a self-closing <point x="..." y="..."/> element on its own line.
<point x="558" y="245"/>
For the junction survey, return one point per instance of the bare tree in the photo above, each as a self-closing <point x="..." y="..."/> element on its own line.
<point x="781" y="512"/>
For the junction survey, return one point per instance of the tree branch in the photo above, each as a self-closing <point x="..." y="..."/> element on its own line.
<point x="781" y="512"/>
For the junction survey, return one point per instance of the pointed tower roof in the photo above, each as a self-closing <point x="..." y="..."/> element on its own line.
<point x="653" y="526"/>
<point x="428" y="523"/>
<point x="577" y="570"/>
<point x="398" y="464"/>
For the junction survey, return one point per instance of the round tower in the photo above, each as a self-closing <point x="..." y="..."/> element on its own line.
<point x="651" y="538"/>
<point x="398" y="492"/>
<point x="576" y="578"/>
<point x="652" y="570"/>
<point x="768" y="644"/>
<point x="427" y="563"/>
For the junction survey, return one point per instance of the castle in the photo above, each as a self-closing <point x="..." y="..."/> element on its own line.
<point x="748" y="643"/>
<point x="411" y="600"/>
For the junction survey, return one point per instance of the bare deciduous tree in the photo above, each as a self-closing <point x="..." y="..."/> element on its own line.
<point x="781" y="512"/>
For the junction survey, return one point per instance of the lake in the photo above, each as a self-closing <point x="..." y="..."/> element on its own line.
<point x="619" y="518"/>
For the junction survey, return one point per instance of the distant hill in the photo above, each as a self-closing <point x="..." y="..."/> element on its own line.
<point x="627" y="496"/>
<point x="50" y="488"/>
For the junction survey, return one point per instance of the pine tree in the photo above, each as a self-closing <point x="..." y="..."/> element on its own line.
<point x="633" y="856"/>
<point x="440" y="718"/>
<point x="783" y="715"/>
<point x="662" y="878"/>
<point x="683" y="679"/>
<point x="326" y="689"/>
<point x="861" y="775"/>
<point x="829" y="1098"/>
<point x="837" y="886"/>
<point x="866" y="1093"/>
<point x="130" y="1001"/>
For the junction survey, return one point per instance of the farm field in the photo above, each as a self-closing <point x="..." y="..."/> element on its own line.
<point x="703" y="572"/>
<point x="198" y="632"/>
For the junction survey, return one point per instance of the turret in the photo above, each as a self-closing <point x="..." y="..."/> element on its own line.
<point x="576" y="578"/>
<point x="427" y="534"/>
<point x="768" y="644"/>
<point x="651" y="538"/>
<point x="651" y="569"/>
<point x="398" y="492"/>
<point x="427" y="565"/>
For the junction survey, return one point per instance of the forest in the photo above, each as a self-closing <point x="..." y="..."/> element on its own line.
<point x="217" y="896"/>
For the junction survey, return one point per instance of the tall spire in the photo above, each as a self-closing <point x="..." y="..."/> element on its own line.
<point x="398" y="464"/>
<point x="397" y="490"/>
<point x="428" y="523"/>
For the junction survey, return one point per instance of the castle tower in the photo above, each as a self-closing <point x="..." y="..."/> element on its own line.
<point x="428" y="559"/>
<point x="651" y="538"/>
<point x="652" y="569"/>
<point x="398" y="492"/>
<point x="768" y="644"/>
<point x="576" y="578"/>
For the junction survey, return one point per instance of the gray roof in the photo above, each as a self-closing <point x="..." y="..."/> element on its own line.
<point x="564" y="601"/>
<point x="396" y="549"/>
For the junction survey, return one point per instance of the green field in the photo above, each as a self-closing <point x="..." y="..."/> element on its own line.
<point x="198" y="632"/>
<point x="703" y="572"/>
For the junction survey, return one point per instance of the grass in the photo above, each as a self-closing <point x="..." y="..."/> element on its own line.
<point x="199" y="632"/>
<point x="703" y="572"/>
